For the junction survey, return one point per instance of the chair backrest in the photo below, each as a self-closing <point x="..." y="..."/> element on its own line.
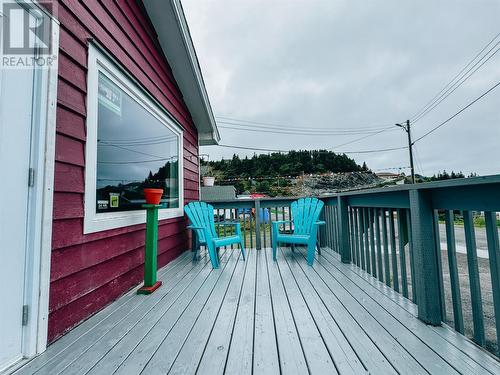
<point x="201" y="214"/>
<point x="305" y="212"/>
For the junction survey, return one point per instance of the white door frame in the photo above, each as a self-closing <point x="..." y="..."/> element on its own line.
<point x="40" y="197"/>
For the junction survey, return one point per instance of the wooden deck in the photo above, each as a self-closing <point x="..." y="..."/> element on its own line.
<point x="262" y="317"/>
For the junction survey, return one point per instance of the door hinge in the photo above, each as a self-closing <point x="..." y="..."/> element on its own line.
<point x="31" y="177"/>
<point x="25" y="315"/>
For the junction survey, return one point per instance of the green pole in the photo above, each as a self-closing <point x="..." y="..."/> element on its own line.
<point x="150" y="258"/>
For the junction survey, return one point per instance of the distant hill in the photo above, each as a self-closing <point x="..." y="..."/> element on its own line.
<point x="272" y="173"/>
<point x="318" y="185"/>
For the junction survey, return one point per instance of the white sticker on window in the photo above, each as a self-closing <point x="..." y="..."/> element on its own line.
<point x="110" y="95"/>
<point x="114" y="200"/>
<point x="102" y="204"/>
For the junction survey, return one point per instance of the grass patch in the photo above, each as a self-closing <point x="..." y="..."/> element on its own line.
<point x="479" y="221"/>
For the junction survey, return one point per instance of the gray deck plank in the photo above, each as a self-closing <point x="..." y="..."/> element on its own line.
<point x="262" y="317"/>
<point x="398" y="355"/>
<point x="448" y="353"/>
<point x="155" y="302"/>
<point x="367" y="350"/>
<point x="384" y="289"/>
<point x="138" y="359"/>
<point x="214" y="356"/>
<point x="467" y="350"/>
<point x="266" y="358"/>
<point x="291" y="355"/>
<point x="109" y="359"/>
<point x="316" y="353"/>
<point x="73" y="344"/>
<point x="344" y="357"/>
<point x="190" y="355"/>
<point x="419" y="351"/>
<point x="198" y="315"/>
<point x="466" y="346"/>
<point x="240" y="356"/>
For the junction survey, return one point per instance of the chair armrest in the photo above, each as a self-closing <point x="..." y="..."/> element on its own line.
<point x="194" y="227"/>
<point x="228" y="223"/>
<point x="235" y="224"/>
<point x="279" y="222"/>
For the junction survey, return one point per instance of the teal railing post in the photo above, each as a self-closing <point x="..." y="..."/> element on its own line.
<point x="494" y="260"/>
<point x="425" y="257"/>
<point x="322" y="229"/>
<point x="343" y="225"/>
<point x="195" y="245"/>
<point x="258" y="245"/>
<point x="150" y="262"/>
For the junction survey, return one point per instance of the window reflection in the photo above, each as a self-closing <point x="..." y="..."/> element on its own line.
<point x="135" y="150"/>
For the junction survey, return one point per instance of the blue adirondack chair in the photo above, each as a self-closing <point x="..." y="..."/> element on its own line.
<point x="305" y="214"/>
<point x="201" y="216"/>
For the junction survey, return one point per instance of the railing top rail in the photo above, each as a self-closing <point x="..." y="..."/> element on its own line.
<point x="244" y="201"/>
<point x="459" y="182"/>
<point x="483" y="186"/>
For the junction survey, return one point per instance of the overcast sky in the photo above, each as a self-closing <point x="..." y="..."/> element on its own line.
<point x="352" y="64"/>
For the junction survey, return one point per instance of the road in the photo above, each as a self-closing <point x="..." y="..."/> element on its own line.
<point x="481" y="242"/>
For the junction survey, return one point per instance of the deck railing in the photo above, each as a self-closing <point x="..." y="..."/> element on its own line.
<point x="396" y="233"/>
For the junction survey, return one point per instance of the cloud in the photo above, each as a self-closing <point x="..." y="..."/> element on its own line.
<point x="352" y="64"/>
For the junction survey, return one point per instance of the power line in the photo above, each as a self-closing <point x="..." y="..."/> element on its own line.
<point x="128" y="149"/>
<point x="453" y="85"/>
<point x="136" y="161"/>
<point x="251" y="148"/>
<point x="118" y="179"/>
<point x="235" y="121"/>
<point x="292" y="176"/>
<point x="390" y="168"/>
<point x="456" y="87"/>
<point x="366" y="136"/>
<point x="140" y="141"/>
<point x="419" y="163"/>
<point x="374" y="151"/>
<point x="280" y="125"/>
<point x="459" y="112"/>
<point x="286" y="151"/>
<point x="456" y="76"/>
<point x="300" y="132"/>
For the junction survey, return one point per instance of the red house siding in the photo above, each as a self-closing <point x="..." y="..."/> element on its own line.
<point x="90" y="271"/>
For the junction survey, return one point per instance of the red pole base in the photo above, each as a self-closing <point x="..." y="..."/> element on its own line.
<point x="149" y="289"/>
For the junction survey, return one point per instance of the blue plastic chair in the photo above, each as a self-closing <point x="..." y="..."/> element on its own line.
<point x="305" y="214"/>
<point x="201" y="216"/>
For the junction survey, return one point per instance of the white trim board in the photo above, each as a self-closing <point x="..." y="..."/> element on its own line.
<point x="93" y="221"/>
<point x="167" y="17"/>
<point x="48" y="165"/>
<point x="40" y="199"/>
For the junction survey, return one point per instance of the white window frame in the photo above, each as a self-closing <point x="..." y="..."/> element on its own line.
<point x="99" y="61"/>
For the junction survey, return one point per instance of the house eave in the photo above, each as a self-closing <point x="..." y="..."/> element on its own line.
<point x="173" y="34"/>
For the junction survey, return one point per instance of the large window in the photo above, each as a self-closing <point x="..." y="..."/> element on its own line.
<point x="132" y="144"/>
<point x="134" y="151"/>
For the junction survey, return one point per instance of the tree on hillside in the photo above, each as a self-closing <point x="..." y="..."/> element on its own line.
<point x="292" y="164"/>
<point x="448" y="176"/>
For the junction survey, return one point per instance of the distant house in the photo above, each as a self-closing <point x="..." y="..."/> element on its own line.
<point x="119" y="104"/>
<point x="388" y="176"/>
<point x="217" y="193"/>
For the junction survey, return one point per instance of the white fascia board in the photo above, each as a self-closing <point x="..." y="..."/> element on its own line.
<point x="171" y="27"/>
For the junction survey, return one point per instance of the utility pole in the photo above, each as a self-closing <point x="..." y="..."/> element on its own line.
<point x="406" y="128"/>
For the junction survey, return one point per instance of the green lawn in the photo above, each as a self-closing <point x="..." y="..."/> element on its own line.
<point x="479" y="221"/>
